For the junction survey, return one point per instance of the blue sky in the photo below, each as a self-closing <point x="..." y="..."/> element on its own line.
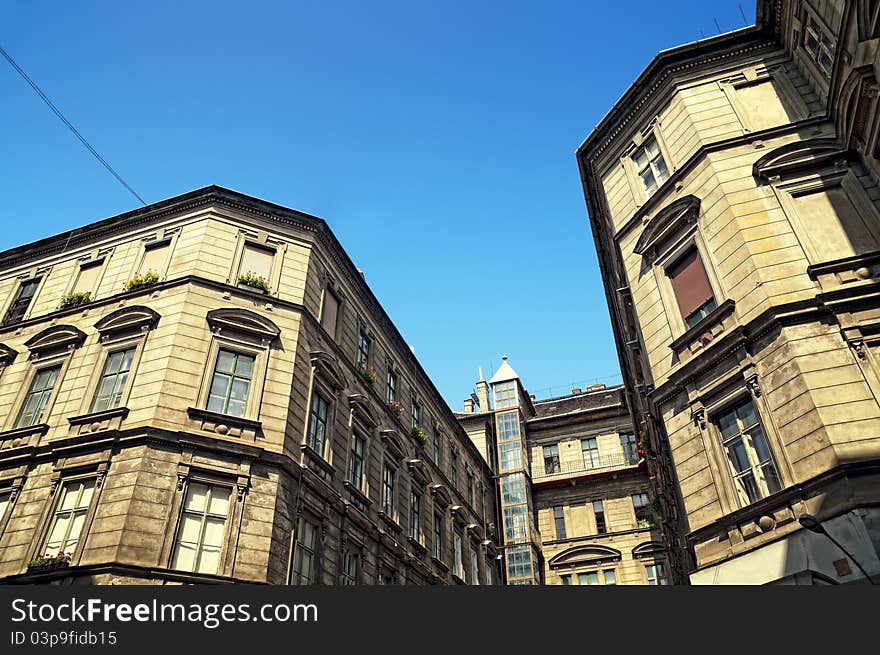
<point x="437" y="139"/>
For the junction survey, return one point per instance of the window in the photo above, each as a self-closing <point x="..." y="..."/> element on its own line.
<point x="610" y="577"/>
<point x="317" y="436"/>
<point x="202" y="528"/>
<point x="363" y="354"/>
<point x="87" y="276"/>
<point x="566" y="579"/>
<point x="350" y="567"/>
<point x="453" y="468"/>
<point x="436" y="452"/>
<point x="389" y="478"/>
<point x="438" y="536"/>
<point x="256" y="260"/>
<point x="112" y="383"/>
<point x="469" y="481"/>
<point x="559" y="520"/>
<point x="630" y="445"/>
<point x="751" y="463"/>
<point x="650" y="166"/>
<point x="391" y="386"/>
<point x="590" y="451"/>
<point x="231" y="383"/>
<point x="590" y="578"/>
<point x="70" y="517"/>
<point x="330" y="312"/>
<point x="519" y="563"/>
<point x="4" y="505"/>
<point x="642" y="507"/>
<point x="457" y="563"/>
<point x="599" y="513"/>
<point x="155" y="257"/>
<point x="356" y="460"/>
<point x="23" y="298"/>
<point x="513" y="489"/>
<point x="415" y="511"/>
<point x="505" y="395"/>
<point x="37" y="397"/>
<point x="475" y="567"/>
<point x="515" y="522"/>
<point x="304" y="559"/>
<point x="551" y="459"/>
<point x="818" y="45"/>
<point x="691" y="287"/>
<point x="656" y="574"/>
<point x="416" y="414"/>
<point x="510" y="448"/>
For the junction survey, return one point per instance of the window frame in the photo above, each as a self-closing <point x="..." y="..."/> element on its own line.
<point x="389" y="492"/>
<point x="296" y="572"/>
<point x="227" y="525"/>
<point x="415" y="516"/>
<point x="39" y="279"/>
<point x="639" y="141"/>
<point x="601" y="528"/>
<point x="318" y="394"/>
<point x="87" y="514"/>
<point x="659" y="574"/>
<point x="553" y="458"/>
<point x="331" y="290"/>
<point x="357" y="437"/>
<point x="151" y="242"/>
<point x="260" y="242"/>
<point x="822" y="33"/>
<point x="559" y="521"/>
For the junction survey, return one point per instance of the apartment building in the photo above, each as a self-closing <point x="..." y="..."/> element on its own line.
<point x="733" y="198"/>
<point x="206" y="390"/>
<point x="575" y="500"/>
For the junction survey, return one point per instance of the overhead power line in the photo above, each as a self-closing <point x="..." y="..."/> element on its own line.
<point x="69" y="125"/>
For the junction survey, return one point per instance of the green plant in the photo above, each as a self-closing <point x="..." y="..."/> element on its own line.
<point x="395" y="407"/>
<point x="251" y="279"/>
<point x="420" y="434"/>
<point x="139" y="281"/>
<point x="73" y="299"/>
<point x="47" y="559"/>
<point x="368" y="373"/>
<point x="645" y="444"/>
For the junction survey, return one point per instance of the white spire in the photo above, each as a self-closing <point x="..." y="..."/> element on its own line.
<point x="504" y="373"/>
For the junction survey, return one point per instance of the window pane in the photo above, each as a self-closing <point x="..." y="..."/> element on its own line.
<point x="727" y="424"/>
<point x="209" y="562"/>
<point x="190" y="529"/>
<point x="79" y="520"/>
<point x="219" y="501"/>
<point x="225" y="362"/>
<point x="184" y="557"/>
<point x="56" y="535"/>
<point x="736" y="452"/>
<point x="214" y="532"/>
<point x="196" y="497"/>
<point x="610" y="577"/>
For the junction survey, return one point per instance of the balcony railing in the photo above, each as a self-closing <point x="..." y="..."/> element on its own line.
<point x="592" y="464"/>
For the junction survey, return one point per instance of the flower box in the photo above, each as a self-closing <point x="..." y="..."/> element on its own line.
<point x="74" y="299"/>
<point x="395" y="407"/>
<point x="253" y="281"/>
<point x="140" y="281"/>
<point x="368" y="373"/>
<point x="420" y="435"/>
<point x="49" y="562"/>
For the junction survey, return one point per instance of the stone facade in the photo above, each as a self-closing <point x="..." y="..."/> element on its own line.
<point x="217" y="408"/>
<point x="574" y="488"/>
<point x="733" y="198"/>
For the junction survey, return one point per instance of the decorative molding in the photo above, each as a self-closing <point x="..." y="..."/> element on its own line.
<point x="670" y="217"/>
<point x="7" y="355"/>
<point x="327" y="368"/>
<point x="243" y="321"/>
<point x="137" y="318"/>
<point x="799" y="156"/>
<point x="55" y="339"/>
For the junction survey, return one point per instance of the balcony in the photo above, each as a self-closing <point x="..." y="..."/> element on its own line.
<point x="554" y="470"/>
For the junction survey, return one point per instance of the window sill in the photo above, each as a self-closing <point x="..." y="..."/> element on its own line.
<point x="108" y="419"/>
<point x="704" y="332"/>
<point x="415" y="543"/>
<point x="225" y="425"/>
<point x="357" y="494"/>
<point x="316" y="462"/>
<point x="390" y="522"/>
<point x="458" y="580"/>
<point x="22" y="436"/>
<point x="440" y="564"/>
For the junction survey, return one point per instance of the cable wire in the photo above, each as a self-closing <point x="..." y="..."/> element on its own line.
<point x="76" y="133"/>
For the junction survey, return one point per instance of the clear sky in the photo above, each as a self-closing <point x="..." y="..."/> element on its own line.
<point x="436" y="138"/>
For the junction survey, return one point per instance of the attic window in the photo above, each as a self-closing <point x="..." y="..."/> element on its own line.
<point x="650" y="166"/>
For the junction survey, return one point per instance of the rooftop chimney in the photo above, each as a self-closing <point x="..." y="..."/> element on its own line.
<point x="483" y="395"/>
<point x="596" y="387"/>
<point x="468" y="406"/>
<point x="576" y="390"/>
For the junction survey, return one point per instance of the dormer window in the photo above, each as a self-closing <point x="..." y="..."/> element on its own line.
<point x="818" y="45"/>
<point x="650" y="166"/>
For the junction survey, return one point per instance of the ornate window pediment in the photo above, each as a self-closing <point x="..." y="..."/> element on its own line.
<point x="418" y="471"/>
<point x="394" y="444"/>
<point x="243" y="322"/>
<point x="649" y="549"/>
<point x="328" y="369"/>
<point x="666" y="223"/>
<point x="137" y="318"/>
<point x="361" y="411"/>
<point x="591" y="554"/>
<point x="440" y="494"/>
<point x="7" y="355"/>
<point x="55" y="339"/>
<point x="798" y="156"/>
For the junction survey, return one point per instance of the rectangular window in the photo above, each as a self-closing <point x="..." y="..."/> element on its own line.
<point x="505" y="395"/>
<point x="356" y="461"/>
<point x="551" y="459"/>
<point x="589" y="578"/>
<point x="231" y="383"/>
<point x="457" y="563"/>
<point x="610" y="577"/>
<point x="23" y="298"/>
<point x="304" y="559"/>
<point x="391" y="386"/>
<point x="415" y="516"/>
<point x="469" y="481"/>
<point x="818" y="45"/>
<point x="108" y="394"/>
<point x="656" y="574"/>
<point x="317" y="438"/>
<point x="436" y="452"/>
<point x="438" y="536"/>
<point x="256" y="261"/>
<point x="155" y="257"/>
<point x="87" y="276"/>
<point x="202" y="529"/>
<point x="748" y="453"/>
<point x="630" y="446"/>
<point x="691" y="287"/>
<point x="37" y="397"/>
<point x="513" y="489"/>
<point x="350" y="567"/>
<point x="566" y="579"/>
<point x="599" y="513"/>
<point x="515" y="522"/>
<point x="510" y="456"/>
<point x="389" y="478"/>
<point x="453" y="469"/>
<point x="363" y="354"/>
<point x="330" y="313"/>
<point x="559" y="520"/>
<point x="519" y="563"/>
<point x="475" y="567"/>
<point x="416" y="414"/>
<point x="642" y="507"/>
<point x="69" y="518"/>
<point x="590" y="452"/>
<point x="651" y="166"/>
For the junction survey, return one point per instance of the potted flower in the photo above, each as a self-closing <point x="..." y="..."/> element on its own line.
<point x="73" y="299"/>
<point x="47" y="562"/>
<point x="253" y="281"/>
<point x="140" y="281"/>
<point x="420" y="434"/>
<point x="395" y="407"/>
<point x="368" y="373"/>
<point x="644" y="447"/>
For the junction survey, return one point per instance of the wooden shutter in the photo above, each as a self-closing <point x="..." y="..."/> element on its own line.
<point x="690" y="284"/>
